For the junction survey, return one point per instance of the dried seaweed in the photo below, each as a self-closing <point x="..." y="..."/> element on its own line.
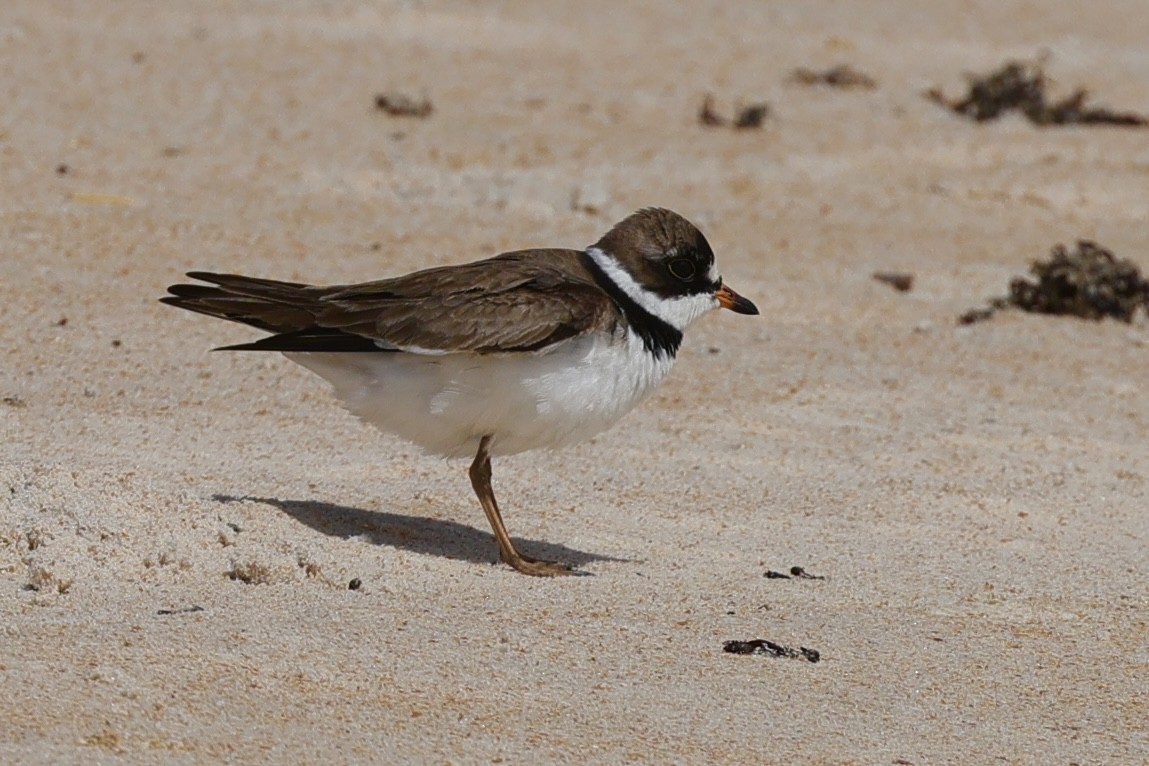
<point x="1020" y="86"/>
<point x="840" y="76"/>
<point x="771" y="649"/>
<point x="1089" y="282"/>
<point x="708" y="115"/>
<point x="747" y="117"/>
<point x="751" y="116"/>
<point x="797" y="573"/>
<point x="401" y="105"/>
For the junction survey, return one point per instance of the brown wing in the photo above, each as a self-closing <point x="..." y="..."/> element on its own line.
<point x="521" y="301"/>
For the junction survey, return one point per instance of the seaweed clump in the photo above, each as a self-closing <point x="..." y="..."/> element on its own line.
<point x="1089" y="282"/>
<point x="1018" y="86"/>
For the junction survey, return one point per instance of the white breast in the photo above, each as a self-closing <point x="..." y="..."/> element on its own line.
<point x="446" y="403"/>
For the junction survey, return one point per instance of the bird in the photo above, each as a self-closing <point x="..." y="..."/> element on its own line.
<point x="530" y="349"/>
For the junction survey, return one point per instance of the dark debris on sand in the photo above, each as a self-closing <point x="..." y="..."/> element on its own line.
<point x="901" y="281"/>
<point x="797" y="573"/>
<point x="747" y="117"/>
<point x="401" y="105"/>
<point x="1020" y="86"/>
<point x="751" y="116"/>
<point x="841" y="76"/>
<point x="771" y="649"/>
<point x="1089" y="282"/>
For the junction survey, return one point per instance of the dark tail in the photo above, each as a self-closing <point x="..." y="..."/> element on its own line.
<point x="287" y="309"/>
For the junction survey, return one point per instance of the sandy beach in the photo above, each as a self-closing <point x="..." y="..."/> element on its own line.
<point x="204" y="559"/>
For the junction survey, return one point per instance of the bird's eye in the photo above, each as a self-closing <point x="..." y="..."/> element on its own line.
<point x="682" y="268"/>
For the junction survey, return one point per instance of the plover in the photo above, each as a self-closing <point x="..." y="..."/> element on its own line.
<point x="528" y="349"/>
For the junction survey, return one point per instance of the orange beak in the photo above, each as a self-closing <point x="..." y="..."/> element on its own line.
<point x="728" y="299"/>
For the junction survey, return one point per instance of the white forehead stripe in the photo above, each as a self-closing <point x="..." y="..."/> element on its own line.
<point x="679" y="312"/>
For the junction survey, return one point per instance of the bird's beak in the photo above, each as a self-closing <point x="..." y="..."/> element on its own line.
<point x="728" y="299"/>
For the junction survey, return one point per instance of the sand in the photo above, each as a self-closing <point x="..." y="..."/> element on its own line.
<point x="179" y="529"/>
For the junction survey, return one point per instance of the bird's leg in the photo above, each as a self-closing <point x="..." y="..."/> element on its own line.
<point x="481" y="481"/>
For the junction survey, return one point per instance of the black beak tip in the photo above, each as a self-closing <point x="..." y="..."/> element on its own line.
<point x="744" y="306"/>
<point x="729" y="299"/>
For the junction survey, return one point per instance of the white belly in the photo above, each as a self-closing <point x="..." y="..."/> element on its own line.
<point x="446" y="403"/>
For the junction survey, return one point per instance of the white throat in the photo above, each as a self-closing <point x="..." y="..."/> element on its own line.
<point x="679" y="312"/>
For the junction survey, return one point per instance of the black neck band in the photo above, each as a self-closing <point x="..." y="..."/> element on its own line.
<point x="658" y="336"/>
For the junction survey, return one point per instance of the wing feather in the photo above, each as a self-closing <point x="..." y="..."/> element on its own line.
<point x="522" y="301"/>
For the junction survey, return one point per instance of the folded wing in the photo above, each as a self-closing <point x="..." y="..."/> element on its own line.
<point x="522" y="301"/>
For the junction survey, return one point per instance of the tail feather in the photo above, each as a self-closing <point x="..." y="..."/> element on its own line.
<point x="286" y="309"/>
<point x="252" y="285"/>
<point x="307" y="340"/>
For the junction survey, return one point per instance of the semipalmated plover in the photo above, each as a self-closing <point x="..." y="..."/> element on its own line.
<point x="528" y="349"/>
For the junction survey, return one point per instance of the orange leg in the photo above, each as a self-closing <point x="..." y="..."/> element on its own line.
<point x="481" y="481"/>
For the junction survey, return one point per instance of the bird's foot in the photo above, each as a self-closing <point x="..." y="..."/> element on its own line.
<point x="538" y="567"/>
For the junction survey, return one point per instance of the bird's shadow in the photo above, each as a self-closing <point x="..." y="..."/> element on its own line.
<point x="448" y="539"/>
